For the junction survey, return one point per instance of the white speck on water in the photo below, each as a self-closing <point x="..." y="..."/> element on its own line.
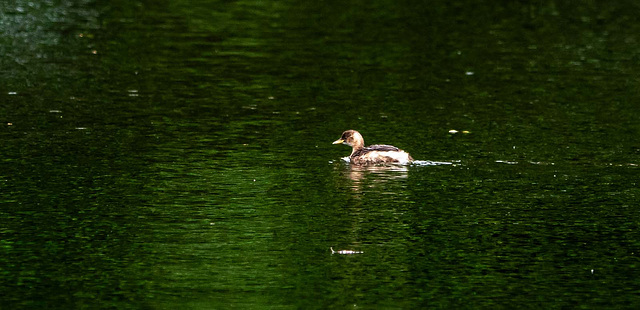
<point x="12" y="93"/>
<point x="345" y="252"/>
<point x="55" y="111"/>
<point x="507" y="162"/>
<point x="469" y="73"/>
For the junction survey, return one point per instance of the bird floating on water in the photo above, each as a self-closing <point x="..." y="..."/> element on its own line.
<point x="373" y="154"/>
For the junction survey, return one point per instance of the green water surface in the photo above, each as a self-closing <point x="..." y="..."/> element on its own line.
<point x="177" y="154"/>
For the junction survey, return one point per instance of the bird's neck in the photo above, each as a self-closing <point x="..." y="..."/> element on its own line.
<point x="356" y="147"/>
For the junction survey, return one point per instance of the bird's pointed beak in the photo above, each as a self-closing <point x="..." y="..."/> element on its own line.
<point x="338" y="141"/>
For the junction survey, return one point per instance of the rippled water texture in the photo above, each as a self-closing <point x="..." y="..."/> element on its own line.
<point x="177" y="154"/>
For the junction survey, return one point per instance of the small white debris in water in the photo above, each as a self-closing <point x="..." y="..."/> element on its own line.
<point x="507" y="162"/>
<point x="453" y="131"/>
<point x="465" y="131"/>
<point x="12" y="93"/>
<point x="345" y="252"/>
<point x="55" y="111"/>
<point x="469" y="73"/>
<point x="81" y="128"/>
<point x="591" y="271"/>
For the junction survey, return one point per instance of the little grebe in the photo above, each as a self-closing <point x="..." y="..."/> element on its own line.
<point x="374" y="154"/>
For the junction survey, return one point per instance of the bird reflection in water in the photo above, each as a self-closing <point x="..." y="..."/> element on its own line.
<point x="372" y="176"/>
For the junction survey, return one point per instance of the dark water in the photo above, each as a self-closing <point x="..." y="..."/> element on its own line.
<point x="177" y="154"/>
